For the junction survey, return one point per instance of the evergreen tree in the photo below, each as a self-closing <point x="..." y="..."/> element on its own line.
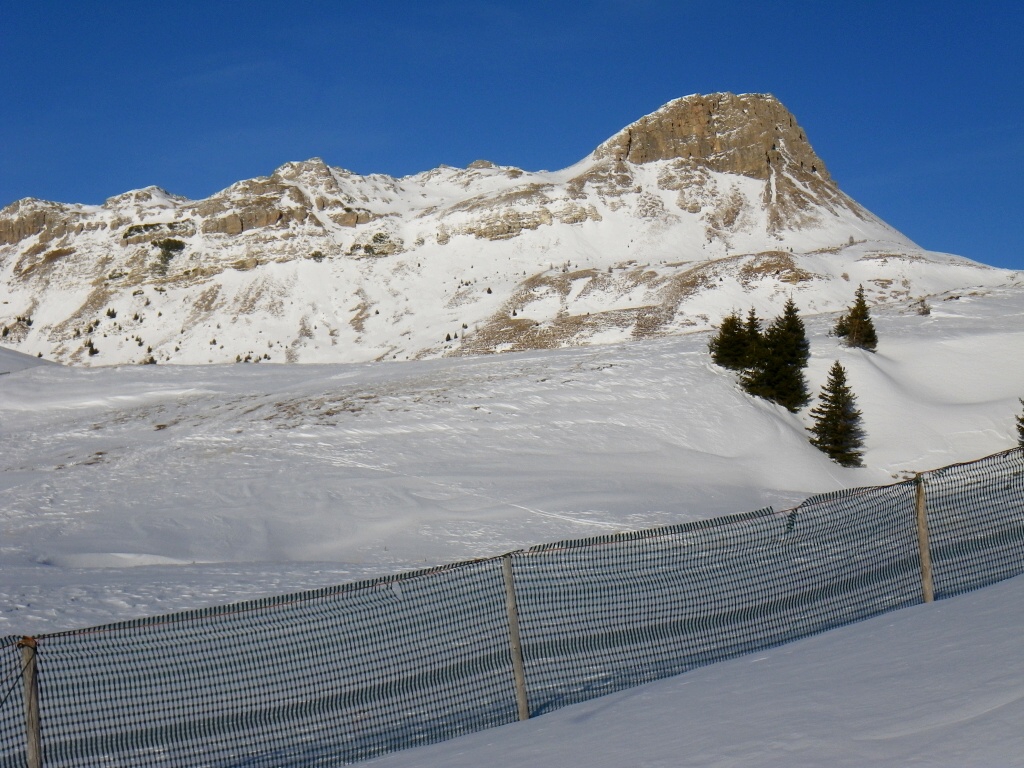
<point x="842" y="327"/>
<point x="728" y="347"/>
<point x="789" y="328"/>
<point x="776" y="370"/>
<point x="837" y="428"/>
<point x="754" y="337"/>
<point x="1020" y="427"/>
<point x="856" y="326"/>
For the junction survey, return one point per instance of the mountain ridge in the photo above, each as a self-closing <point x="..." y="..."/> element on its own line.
<point x="708" y="203"/>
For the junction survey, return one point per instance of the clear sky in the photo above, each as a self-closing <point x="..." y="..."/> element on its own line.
<point x="916" y="107"/>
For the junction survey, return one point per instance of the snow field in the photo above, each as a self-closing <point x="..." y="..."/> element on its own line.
<point x="143" y="490"/>
<point x="183" y="472"/>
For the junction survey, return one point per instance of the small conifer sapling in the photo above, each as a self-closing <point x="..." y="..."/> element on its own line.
<point x="856" y="327"/>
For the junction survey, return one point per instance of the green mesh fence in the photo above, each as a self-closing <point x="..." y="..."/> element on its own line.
<point x="12" y="708"/>
<point x="976" y="522"/>
<point x="342" y="674"/>
<point x="604" y="614"/>
<point x="318" y="678"/>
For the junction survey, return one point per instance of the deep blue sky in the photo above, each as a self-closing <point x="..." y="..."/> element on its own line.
<point x="917" y="108"/>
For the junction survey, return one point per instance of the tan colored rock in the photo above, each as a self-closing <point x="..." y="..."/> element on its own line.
<point x="258" y="216"/>
<point x="742" y="134"/>
<point x="609" y="179"/>
<point x="28" y="217"/>
<point x="352" y="218"/>
<point x="15" y="230"/>
<point x="751" y="135"/>
<point x="507" y="224"/>
<point x="146" y="233"/>
<point x="345" y="218"/>
<point x="227" y="225"/>
<point x="572" y="213"/>
<point x="649" y="206"/>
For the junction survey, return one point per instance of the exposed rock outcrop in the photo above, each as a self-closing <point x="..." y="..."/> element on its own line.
<point x="743" y="134"/>
<point x="25" y="218"/>
<point x="750" y="135"/>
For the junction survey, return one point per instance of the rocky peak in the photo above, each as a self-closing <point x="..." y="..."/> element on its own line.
<point x="313" y="171"/>
<point x="746" y="134"/>
<point x="147" y="197"/>
<point x="30" y="216"/>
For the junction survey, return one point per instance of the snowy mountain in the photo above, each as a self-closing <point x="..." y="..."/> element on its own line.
<point x="136" y="491"/>
<point x="709" y="204"/>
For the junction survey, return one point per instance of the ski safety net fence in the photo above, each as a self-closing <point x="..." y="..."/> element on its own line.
<point x="12" y="718"/>
<point x="319" y="678"/>
<point x="345" y="673"/>
<point x="976" y="522"/>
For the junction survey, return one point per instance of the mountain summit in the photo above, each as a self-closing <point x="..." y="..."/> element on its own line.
<point x="749" y="134"/>
<point x="710" y="203"/>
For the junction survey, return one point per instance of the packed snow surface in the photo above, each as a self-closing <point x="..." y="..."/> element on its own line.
<point x="933" y="685"/>
<point x="142" y="490"/>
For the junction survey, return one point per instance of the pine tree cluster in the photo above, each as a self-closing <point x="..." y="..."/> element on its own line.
<point x="776" y="368"/>
<point x="771" y="365"/>
<point x="771" y="362"/>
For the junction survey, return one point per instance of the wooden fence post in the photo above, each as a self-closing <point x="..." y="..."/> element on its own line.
<point x="515" y="644"/>
<point x="33" y="737"/>
<point x="922" y="540"/>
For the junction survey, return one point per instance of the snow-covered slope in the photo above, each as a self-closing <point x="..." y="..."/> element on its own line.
<point x="709" y="204"/>
<point x="11" y="361"/>
<point x="144" y="489"/>
<point x="141" y="490"/>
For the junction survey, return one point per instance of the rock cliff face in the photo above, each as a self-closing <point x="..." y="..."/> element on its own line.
<point x="749" y="134"/>
<point x="27" y="218"/>
<point x="718" y="195"/>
